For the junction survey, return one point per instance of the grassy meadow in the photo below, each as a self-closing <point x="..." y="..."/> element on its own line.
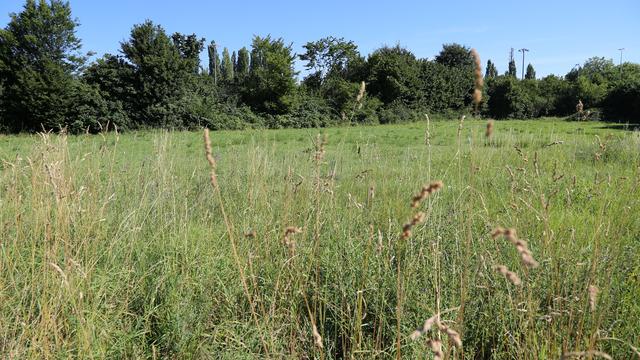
<point x="116" y="245"/>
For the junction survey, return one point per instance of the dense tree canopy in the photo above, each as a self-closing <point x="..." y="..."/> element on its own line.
<point x="157" y="80"/>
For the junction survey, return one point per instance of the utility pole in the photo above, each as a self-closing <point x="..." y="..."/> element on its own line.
<point x="621" y="50"/>
<point x="523" y="51"/>
<point x="215" y="64"/>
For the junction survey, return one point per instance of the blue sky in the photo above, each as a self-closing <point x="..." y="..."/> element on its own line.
<point x="558" y="33"/>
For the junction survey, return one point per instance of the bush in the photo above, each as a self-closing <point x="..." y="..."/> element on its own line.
<point x="397" y="112"/>
<point x="622" y="103"/>
<point x="509" y="99"/>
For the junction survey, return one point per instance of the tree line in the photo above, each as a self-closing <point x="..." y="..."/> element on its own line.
<point x="157" y="80"/>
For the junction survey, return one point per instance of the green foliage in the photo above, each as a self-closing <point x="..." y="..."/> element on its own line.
<point x="491" y="71"/>
<point x="243" y="64"/>
<point x="39" y="55"/>
<point x="114" y="246"/>
<point x="163" y="71"/>
<point x="531" y="73"/>
<point x="271" y="85"/>
<point x="443" y="87"/>
<point x="512" y="69"/>
<point x="328" y="58"/>
<point x="157" y="81"/>
<point x="226" y="69"/>
<point x="394" y="74"/>
<point x="508" y="98"/>
<point x="622" y="103"/>
<point x="454" y="55"/>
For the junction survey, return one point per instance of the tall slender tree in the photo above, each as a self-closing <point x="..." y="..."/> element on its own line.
<point x="226" y="69"/>
<point x="531" y="73"/>
<point x="512" y="68"/>
<point x="491" y="71"/>
<point x="243" y="63"/>
<point x="214" y="61"/>
<point x="234" y="63"/>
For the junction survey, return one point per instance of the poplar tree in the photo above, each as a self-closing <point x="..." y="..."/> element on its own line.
<point x="226" y="70"/>
<point x="491" y="71"/>
<point x="243" y="63"/>
<point x="531" y="73"/>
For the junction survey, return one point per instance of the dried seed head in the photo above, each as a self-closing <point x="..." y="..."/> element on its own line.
<point x="489" y="132"/>
<point x="406" y="229"/>
<point x="425" y="192"/>
<point x="360" y="96"/>
<point x="478" y="80"/>
<point x="510" y="275"/>
<point x="590" y="353"/>
<point x="453" y="335"/>
<point x="288" y="240"/>
<point x="317" y="339"/>
<point x="593" y="297"/>
<point x="436" y="348"/>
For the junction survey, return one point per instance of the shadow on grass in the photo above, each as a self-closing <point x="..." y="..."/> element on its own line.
<point x="626" y="127"/>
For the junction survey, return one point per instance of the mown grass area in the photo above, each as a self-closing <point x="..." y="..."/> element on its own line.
<point x="114" y="245"/>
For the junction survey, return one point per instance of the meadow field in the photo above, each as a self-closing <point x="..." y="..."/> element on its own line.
<point x="121" y="245"/>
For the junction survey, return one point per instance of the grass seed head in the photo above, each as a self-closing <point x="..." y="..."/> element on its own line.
<point x="593" y="296"/>
<point x="510" y="275"/>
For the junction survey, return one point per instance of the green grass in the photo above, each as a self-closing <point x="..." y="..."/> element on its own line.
<point x="113" y="246"/>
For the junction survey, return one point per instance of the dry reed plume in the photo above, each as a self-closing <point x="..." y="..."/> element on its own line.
<point x="521" y="246"/>
<point x="478" y="80"/>
<point x="317" y="339"/>
<point x="436" y="348"/>
<point x="288" y="241"/>
<point x="589" y="354"/>
<point x="453" y="335"/>
<point x="406" y="229"/>
<point x="510" y="275"/>
<point x="425" y="192"/>
<point x="210" y="159"/>
<point x="489" y="132"/>
<point x="593" y="297"/>
<point x="434" y="344"/>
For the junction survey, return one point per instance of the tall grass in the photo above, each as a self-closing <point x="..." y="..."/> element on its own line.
<point x="118" y="245"/>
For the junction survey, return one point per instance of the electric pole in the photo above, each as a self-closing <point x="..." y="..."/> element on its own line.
<point x="215" y="64"/>
<point x="621" y="50"/>
<point x="523" y="51"/>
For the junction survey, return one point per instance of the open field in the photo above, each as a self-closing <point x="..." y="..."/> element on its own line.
<point x="114" y="246"/>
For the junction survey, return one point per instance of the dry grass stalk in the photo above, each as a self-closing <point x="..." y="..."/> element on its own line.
<point x="489" y="132"/>
<point x="593" y="296"/>
<point x="461" y="124"/>
<point x="478" y="80"/>
<point x="425" y="192"/>
<point x="210" y="159"/>
<point x="321" y="142"/>
<point x="510" y="275"/>
<point x="590" y="354"/>
<point x="317" y="339"/>
<point x="361" y="92"/>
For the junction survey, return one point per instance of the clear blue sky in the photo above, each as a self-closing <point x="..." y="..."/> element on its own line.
<point x="559" y="33"/>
